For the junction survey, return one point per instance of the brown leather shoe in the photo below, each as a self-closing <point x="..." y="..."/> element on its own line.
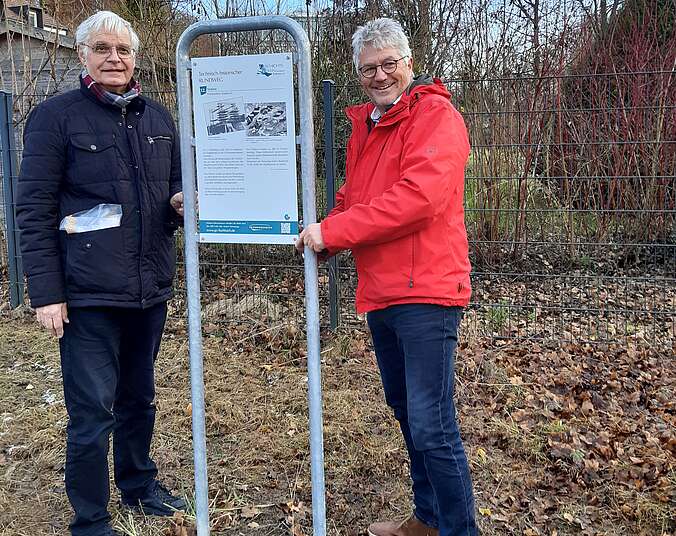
<point x="409" y="527"/>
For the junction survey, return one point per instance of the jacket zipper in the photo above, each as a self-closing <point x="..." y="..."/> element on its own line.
<point x="138" y="195"/>
<point x="410" y="277"/>
<point x="152" y="139"/>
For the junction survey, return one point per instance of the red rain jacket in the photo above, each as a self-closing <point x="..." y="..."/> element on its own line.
<point x="400" y="210"/>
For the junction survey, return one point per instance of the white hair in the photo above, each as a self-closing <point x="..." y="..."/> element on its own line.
<point x="379" y="33"/>
<point x="105" y="21"/>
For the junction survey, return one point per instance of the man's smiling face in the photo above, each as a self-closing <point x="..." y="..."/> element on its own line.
<point x="111" y="71"/>
<point x="383" y="89"/>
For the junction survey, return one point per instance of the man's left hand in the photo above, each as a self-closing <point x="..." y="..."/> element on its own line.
<point x="176" y="202"/>
<point x="312" y="237"/>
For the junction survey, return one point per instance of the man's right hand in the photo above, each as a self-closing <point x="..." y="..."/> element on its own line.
<point x="53" y="317"/>
<point x="176" y="202"/>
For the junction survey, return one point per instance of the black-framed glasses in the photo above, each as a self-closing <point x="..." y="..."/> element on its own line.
<point x="388" y="67"/>
<point x="102" y="49"/>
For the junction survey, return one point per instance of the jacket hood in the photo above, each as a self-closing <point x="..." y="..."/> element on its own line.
<point x="422" y="85"/>
<point x="420" y="80"/>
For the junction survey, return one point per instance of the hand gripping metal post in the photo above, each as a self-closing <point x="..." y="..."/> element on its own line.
<point x="307" y="160"/>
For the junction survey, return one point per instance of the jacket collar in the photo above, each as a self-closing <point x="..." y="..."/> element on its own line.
<point x="422" y="85"/>
<point x="137" y="105"/>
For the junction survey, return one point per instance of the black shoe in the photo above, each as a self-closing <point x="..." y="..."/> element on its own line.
<point x="157" y="501"/>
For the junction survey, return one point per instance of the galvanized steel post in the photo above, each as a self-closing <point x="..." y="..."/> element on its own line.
<point x="328" y="94"/>
<point x="307" y="160"/>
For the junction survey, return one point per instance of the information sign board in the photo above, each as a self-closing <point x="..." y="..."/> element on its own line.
<point x="245" y="147"/>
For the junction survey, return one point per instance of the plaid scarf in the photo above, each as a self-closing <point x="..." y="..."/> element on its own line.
<point x="121" y="101"/>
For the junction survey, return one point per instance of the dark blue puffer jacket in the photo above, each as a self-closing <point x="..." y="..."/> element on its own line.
<point x="78" y="153"/>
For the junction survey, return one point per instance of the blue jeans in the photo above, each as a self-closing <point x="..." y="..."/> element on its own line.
<point x="415" y="347"/>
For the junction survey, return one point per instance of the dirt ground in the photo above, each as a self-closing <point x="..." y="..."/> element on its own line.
<point x="562" y="440"/>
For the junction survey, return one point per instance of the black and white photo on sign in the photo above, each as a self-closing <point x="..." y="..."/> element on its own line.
<point x="266" y="119"/>
<point x="224" y="116"/>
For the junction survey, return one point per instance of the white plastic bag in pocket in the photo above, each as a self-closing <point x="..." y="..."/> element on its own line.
<point x="103" y="216"/>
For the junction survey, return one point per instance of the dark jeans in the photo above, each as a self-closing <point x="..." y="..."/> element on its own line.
<point x="415" y="347"/>
<point x="107" y="357"/>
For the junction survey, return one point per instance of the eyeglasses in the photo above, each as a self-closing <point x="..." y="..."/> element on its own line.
<point x="388" y="67"/>
<point x="104" y="50"/>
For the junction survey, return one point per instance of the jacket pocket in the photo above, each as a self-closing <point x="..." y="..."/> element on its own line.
<point x="92" y="158"/>
<point x="386" y="270"/>
<point x="95" y="262"/>
<point x="157" y="151"/>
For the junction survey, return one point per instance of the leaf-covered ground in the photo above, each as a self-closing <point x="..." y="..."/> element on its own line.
<point x="562" y="439"/>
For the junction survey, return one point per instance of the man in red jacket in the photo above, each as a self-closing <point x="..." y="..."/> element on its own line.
<point x="401" y="213"/>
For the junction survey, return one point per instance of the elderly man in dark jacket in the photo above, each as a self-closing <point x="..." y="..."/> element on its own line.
<point x="99" y="200"/>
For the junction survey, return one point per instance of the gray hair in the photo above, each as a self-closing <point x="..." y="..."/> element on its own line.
<point x="105" y="20"/>
<point x="379" y="33"/>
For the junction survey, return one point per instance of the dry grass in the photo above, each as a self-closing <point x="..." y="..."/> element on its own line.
<point x="258" y="441"/>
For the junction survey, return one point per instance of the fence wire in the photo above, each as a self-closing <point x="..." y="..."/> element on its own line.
<point x="570" y="211"/>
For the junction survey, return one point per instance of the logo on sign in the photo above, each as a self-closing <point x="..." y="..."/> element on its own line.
<point x="270" y="69"/>
<point x="262" y="69"/>
<point x="203" y="90"/>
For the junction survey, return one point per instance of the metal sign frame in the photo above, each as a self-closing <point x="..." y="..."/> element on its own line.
<point x="307" y="160"/>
